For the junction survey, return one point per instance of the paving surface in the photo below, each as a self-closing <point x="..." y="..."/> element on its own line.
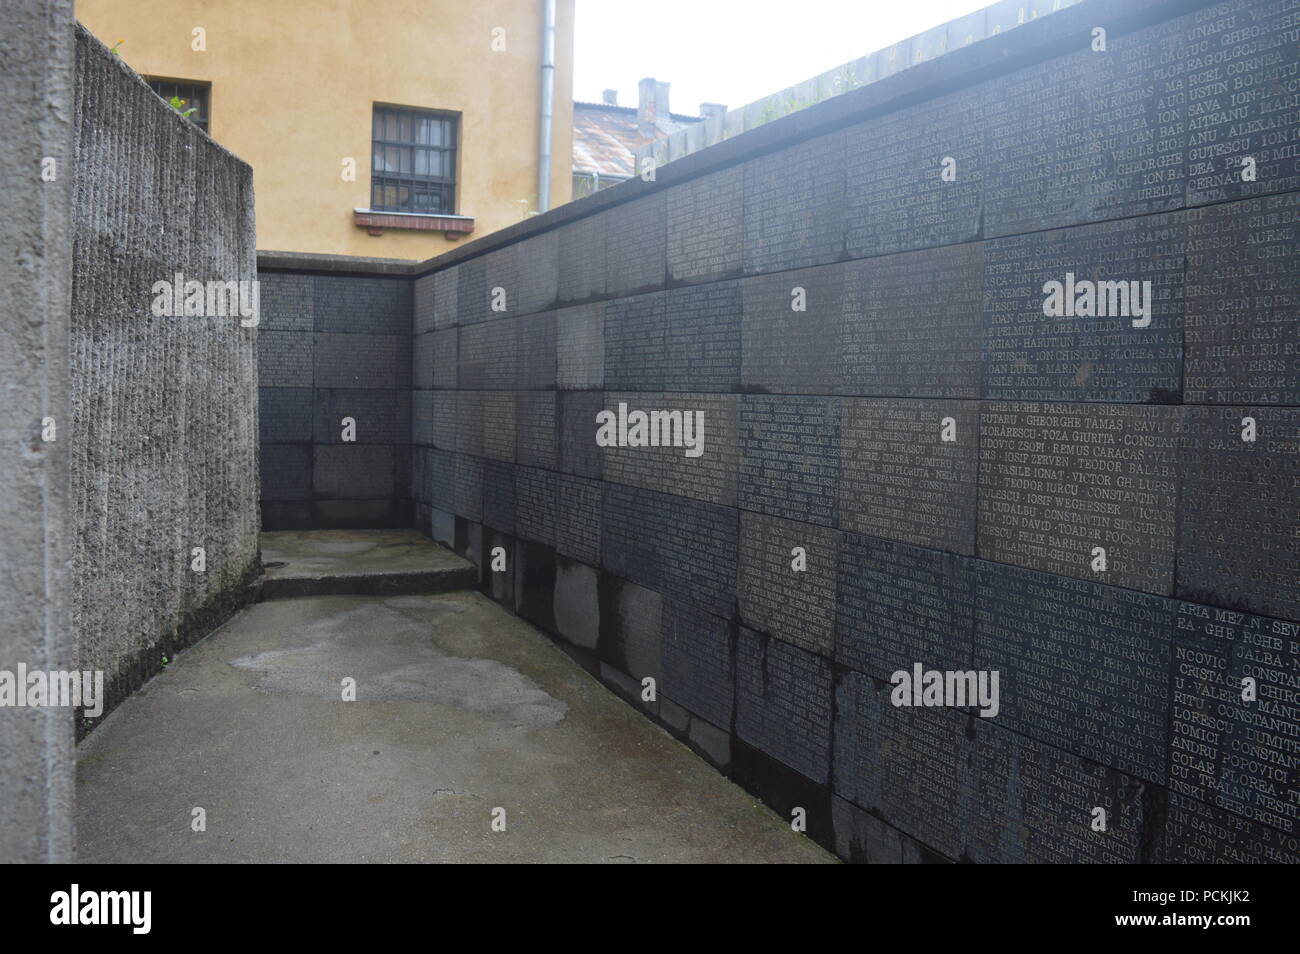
<point x="322" y="562"/>
<point x="461" y="708"/>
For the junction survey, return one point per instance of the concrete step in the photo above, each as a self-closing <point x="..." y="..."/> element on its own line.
<point x="359" y="562"/>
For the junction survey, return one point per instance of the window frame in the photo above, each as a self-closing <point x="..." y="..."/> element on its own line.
<point x="440" y="188"/>
<point x="204" y="121"/>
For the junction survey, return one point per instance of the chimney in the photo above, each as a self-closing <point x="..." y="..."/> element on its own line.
<point x="646" y="112"/>
<point x="609" y="97"/>
<point x="715" y="115"/>
<point x="661" y="101"/>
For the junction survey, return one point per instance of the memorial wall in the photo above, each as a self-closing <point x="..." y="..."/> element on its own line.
<point x="334" y="393"/>
<point x="989" y="369"/>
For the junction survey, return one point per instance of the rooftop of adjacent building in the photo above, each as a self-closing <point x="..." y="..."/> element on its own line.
<point x="606" y="135"/>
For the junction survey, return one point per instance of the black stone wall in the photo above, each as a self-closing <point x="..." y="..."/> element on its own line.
<point x="1120" y="688"/>
<point x="335" y="346"/>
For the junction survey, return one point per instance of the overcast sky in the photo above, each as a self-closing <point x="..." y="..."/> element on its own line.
<point x="736" y="51"/>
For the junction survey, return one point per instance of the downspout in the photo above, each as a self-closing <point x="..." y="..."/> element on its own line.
<point x="546" y="107"/>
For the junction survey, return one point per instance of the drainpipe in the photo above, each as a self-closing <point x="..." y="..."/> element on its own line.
<point x="547" y="98"/>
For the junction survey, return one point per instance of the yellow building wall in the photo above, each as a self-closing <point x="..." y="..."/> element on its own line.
<point x="294" y="83"/>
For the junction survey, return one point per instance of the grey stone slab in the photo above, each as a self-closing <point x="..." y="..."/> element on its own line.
<point x="1036" y="804"/>
<point x="794" y="206"/>
<point x="284" y="415"/>
<point x="1241" y="100"/>
<point x="285" y="359"/>
<point x="1243" y="303"/>
<point x="286" y="302"/>
<point x="900" y="479"/>
<point x="1088" y="136"/>
<point x="912" y="324"/>
<point x="1235" y="746"/>
<point x="914" y="176"/>
<point x="535" y="511"/>
<point x="787" y="594"/>
<point x="580" y="347"/>
<point x="579" y="453"/>
<point x="711" y="419"/>
<point x="636" y="245"/>
<point x="577" y="518"/>
<point x="791" y="327"/>
<point x="705" y="216"/>
<point x="1239" y="510"/>
<point x="536" y="436"/>
<point x="682" y="548"/>
<point x="1058" y="481"/>
<point x="361" y="361"/>
<point x="286" y="472"/>
<point x="499" y="496"/>
<point x="377" y="417"/>
<point x="697" y="667"/>
<point x="446" y="292"/>
<point x="1127" y="354"/>
<point x="683" y="339"/>
<point x="1196" y="833"/>
<point x="472" y="292"/>
<point x="783" y="703"/>
<point x="582" y="259"/>
<point x="789" y="465"/>
<point x="354" y="471"/>
<point x="361" y="305"/>
<point x="1083" y="666"/>
<point x="908" y="766"/>
<point x="900" y="605"/>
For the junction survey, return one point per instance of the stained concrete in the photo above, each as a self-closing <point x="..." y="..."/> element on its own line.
<point x="369" y="562"/>
<point x="461" y="708"/>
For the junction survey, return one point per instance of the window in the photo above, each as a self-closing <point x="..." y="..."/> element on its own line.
<point x="414" y="168"/>
<point x="192" y="96"/>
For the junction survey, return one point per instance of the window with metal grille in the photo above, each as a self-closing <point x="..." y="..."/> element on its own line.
<point x="414" y="167"/>
<point x="192" y="96"/>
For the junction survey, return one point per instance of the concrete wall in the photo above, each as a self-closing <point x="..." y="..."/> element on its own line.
<point x="294" y="84"/>
<point x="335" y="343"/>
<point x="163" y="429"/>
<point x="825" y="430"/>
<point x="36" y="745"/>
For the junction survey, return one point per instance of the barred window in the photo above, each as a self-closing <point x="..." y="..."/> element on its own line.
<point x="414" y="167"/>
<point x="192" y="95"/>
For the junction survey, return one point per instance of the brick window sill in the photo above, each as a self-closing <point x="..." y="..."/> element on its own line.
<point x="452" y="226"/>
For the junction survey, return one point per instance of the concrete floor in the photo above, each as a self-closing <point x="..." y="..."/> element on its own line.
<point x="461" y="708"/>
<point x="371" y="562"/>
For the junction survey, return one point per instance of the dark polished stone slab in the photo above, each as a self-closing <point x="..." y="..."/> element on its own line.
<point x="1228" y="751"/>
<point x="788" y="350"/>
<point x="1088" y="136"/>
<point x="912" y="324"/>
<point x="682" y="548"/>
<point x="636" y="245"/>
<point x="577" y="518"/>
<point x="908" y="766"/>
<point x="783" y="703"/>
<point x="1058" y="480"/>
<point x="1237" y="541"/>
<point x="697" y="667"/>
<point x="1196" y="833"/>
<point x="580" y="347"/>
<point x="535" y="429"/>
<point x="378" y="417"/>
<point x="711" y="476"/>
<point x="498" y="412"/>
<point x="789" y="464"/>
<point x="794" y="605"/>
<point x="1243" y="303"/>
<point x="704" y="217"/>
<point x="1035" y="804"/>
<point x="535" y="494"/>
<point x="582" y="259"/>
<point x="1243" y="99"/>
<point x="499" y="496"/>
<point x="794" y="206"/>
<point x="899" y="605"/>
<point x="898" y="194"/>
<point x="1082" y="666"/>
<point x="579" y="453"/>
<point x="900" y="480"/>
<point x="1031" y="356"/>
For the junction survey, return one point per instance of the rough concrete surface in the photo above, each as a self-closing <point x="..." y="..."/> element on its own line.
<point x="461" y="708"/>
<point x="374" y="562"/>
<point x="36" y="94"/>
<point x="163" y="427"/>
